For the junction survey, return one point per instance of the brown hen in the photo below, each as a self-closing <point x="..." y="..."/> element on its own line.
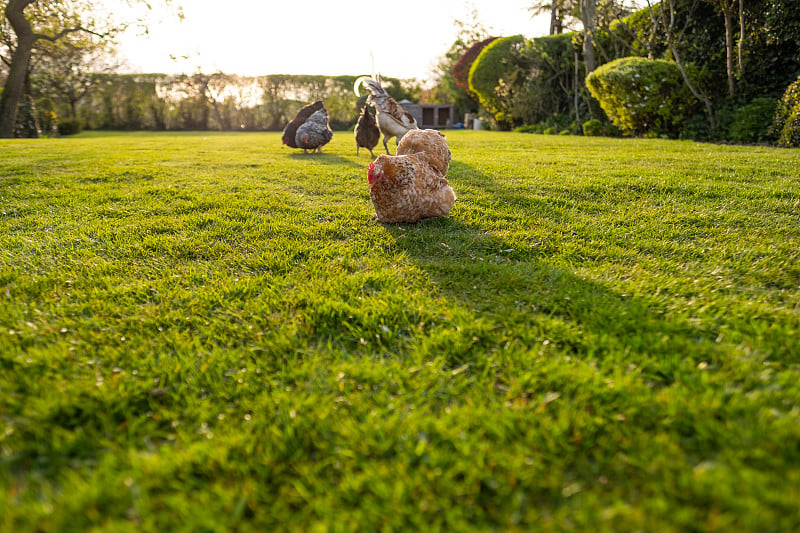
<point x="366" y="131"/>
<point x="412" y="186"/>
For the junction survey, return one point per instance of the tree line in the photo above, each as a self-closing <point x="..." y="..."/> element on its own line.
<point x="218" y="101"/>
<point x="59" y="73"/>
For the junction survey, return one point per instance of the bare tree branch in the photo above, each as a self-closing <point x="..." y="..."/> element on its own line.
<point x="67" y="31"/>
<point x="671" y="43"/>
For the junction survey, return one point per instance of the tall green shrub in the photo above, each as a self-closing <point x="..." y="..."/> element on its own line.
<point x="642" y="95"/>
<point x="541" y="81"/>
<point x="46" y="116"/>
<point x="460" y="70"/>
<point x="71" y="126"/>
<point x="751" y="123"/>
<point x="786" y="126"/>
<point x="489" y="67"/>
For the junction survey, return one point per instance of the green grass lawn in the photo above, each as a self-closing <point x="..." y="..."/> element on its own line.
<point x="208" y="332"/>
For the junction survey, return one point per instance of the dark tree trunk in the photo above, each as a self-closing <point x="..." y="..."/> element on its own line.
<point x="26" y="124"/>
<point x="588" y="10"/>
<point x="556" y="20"/>
<point x="740" y="46"/>
<point x="728" y="17"/>
<point x="15" y="83"/>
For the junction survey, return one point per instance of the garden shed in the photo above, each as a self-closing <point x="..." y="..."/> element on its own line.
<point x="432" y="116"/>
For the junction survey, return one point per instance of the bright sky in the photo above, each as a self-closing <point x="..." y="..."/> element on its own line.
<point x="257" y="37"/>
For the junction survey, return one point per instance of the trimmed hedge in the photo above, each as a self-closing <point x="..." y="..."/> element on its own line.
<point x="489" y="67"/>
<point x="786" y="126"/>
<point x="642" y="96"/>
<point x="464" y="64"/>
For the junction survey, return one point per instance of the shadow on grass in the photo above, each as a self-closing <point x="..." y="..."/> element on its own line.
<point x="536" y="301"/>
<point x="325" y="159"/>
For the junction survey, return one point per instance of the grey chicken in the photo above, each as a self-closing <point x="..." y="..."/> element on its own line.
<point x="309" y="130"/>
<point x="290" y="131"/>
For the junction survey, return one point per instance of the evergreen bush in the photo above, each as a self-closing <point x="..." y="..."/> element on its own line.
<point x="696" y="128"/>
<point x="70" y="127"/>
<point x="642" y="95"/>
<point x="46" y="116"/>
<point x="540" y="82"/>
<point x="751" y="123"/>
<point x="786" y="126"/>
<point x="489" y="68"/>
<point x="593" y="128"/>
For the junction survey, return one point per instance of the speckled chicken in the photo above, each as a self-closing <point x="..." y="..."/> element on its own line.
<point x="412" y="186"/>
<point x="393" y="120"/>
<point x="309" y="130"/>
<point x="367" y="133"/>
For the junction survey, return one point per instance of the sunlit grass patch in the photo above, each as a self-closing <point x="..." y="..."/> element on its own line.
<point x="209" y="332"/>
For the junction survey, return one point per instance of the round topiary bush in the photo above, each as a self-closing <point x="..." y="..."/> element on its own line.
<point x="786" y="126"/>
<point x="642" y="95"/>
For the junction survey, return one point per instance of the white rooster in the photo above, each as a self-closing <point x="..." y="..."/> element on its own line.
<point x="393" y="120"/>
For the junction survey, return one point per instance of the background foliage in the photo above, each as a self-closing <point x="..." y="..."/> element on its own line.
<point x="534" y="83"/>
<point x="787" y="118"/>
<point x="542" y="81"/>
<point x="491" y="65"/>
<point x="642" y="95"/>
<point x="218" y="101"/>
